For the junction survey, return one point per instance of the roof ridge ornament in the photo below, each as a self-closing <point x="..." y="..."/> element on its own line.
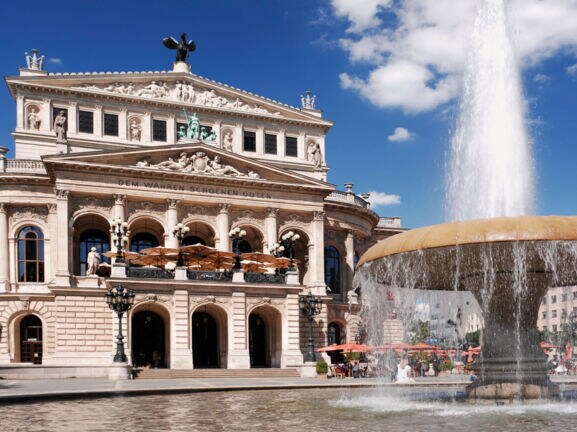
<point x="34" y="62"/>
<point x="308" y="101"/>
<point x="182" y="49"/>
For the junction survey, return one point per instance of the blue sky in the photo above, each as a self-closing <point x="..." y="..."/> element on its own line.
<point x="387" y="72"/>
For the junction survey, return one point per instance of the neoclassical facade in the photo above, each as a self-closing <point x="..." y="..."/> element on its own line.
<point x="154" y="150"/>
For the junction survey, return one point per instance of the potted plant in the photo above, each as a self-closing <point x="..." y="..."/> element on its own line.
<point x="322" y="368"/>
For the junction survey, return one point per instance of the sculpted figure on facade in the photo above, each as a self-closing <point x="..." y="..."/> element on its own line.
<point x="193" y="125"/>
<point x="92" y="262"/>
<point x="33" y="119"/>
<point x="60" y="127"/>
<point x="182" y="92"/>
<point x="182" y="47"/>
<point x="33" y="61"/>
<point x="308" y="101"/>
<point x="314" y="154"/>
<point x="135" y="130"/>
<point x="227" y="141"/>
<point x="198" y="162"/>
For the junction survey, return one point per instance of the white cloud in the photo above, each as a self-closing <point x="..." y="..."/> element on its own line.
<point x="400" y="134"/>
<point x="361" y="14"/>
<point x="571" y="70"/>
<point x="542" y="79"/>
<point x="382" y="199"/>
<point x="416" y="64"/>
<point x="55" y="60"/>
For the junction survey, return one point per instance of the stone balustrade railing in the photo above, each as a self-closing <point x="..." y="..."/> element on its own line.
<point x="22" y="166"/>
<point x="347" y="197"/>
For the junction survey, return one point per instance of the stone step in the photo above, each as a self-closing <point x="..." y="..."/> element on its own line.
<point x="216" y="373"/>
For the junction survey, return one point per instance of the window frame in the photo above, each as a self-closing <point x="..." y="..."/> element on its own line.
<point x="30" y="260"/>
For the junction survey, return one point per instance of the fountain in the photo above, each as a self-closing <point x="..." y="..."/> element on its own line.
<point x="507" y="260"/>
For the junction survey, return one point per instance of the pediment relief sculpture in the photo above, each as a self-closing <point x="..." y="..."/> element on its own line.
<point x="198" y="163"/>
<point x="180" y="91"/>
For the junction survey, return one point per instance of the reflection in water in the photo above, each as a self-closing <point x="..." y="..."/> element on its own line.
<point x="283" y="410"/>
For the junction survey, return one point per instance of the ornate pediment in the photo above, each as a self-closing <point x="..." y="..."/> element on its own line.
<point x="196" y="163"/>
<point x="180" y="91"/>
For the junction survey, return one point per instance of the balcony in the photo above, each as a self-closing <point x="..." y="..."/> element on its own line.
<point x="348" y="198"/>
<point x="22" y="166"/>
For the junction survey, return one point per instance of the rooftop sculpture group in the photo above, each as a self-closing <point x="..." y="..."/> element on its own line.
<point x="182" y="48"/>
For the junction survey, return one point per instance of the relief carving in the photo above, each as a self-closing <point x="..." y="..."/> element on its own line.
<point x="145" y="207"/>
<point x="197" y="163"/>
<point x="30" y="213"/>
<point x="180" y="91"/>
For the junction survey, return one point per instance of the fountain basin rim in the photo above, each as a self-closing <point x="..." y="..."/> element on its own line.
<point x="493" y="230"/>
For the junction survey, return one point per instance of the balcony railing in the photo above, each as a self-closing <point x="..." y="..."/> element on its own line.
<point x="24" y="166"/>
<point x="148" y="273"/>
<point x="225" y="276"/>
<point x="347" y="197"/>
<point x="264" y="278"/>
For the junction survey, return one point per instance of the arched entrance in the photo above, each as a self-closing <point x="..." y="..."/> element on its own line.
<point x="264" y="337"/>
<point x="31" y="340"/>
<point x="204" y="341"/>
<point x="258" y="342"/>
<point x="149" y="347"/>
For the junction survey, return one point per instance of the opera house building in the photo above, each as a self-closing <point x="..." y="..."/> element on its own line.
<point x="211" y="205"/>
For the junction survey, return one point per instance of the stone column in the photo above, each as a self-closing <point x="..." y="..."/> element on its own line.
<point x="50" y="252"/>
<point x="171" y="129"/>
<point x="146" y="125"/>
<point x="171" y="220"/>
<point x="4" y="255"/>
<point x="316" y="259"/>
<point x="239" y="355"/>
<point x="117" y="212"/>
<point x="223" y="227"/>
<point x="281" y="142"/>
<point x="98" y="130"/>
<point x="20" y="113"/>
<point x="271" y="228"/>
<point x="349" y="263"/>
<point x="62" y="238"/>
<point x="301" y="151"/>
<point x="260" y="140"/>
<point x="72" y="120"/>
<point x="122" y="124"/>
<point x="291" y="353"/>
<point x="180" y="349"/>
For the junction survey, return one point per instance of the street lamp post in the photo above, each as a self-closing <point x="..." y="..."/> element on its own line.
<point x="120" y="233"/>
<point x="179" y="231"/>
<point x="236" y="235"/>
<point x="310" y="305"/>
<point x="119" y="300"/>
<point x="288" y="241"/>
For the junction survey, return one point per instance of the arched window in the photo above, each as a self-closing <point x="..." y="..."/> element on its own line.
<point x="30" y="255"/>
<point x="142" y="241"/>
<point x="242" y="246"/>
<point x="192" y="240"/>
<point x="93" y="238"/>
<point x="333" y="334"/>
<point x="333" y="269"/>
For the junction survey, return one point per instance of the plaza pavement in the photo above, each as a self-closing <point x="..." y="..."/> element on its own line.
<point x="13" y="391"/>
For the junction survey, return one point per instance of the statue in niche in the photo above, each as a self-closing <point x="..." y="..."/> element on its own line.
<point x="33" y="119"/>
<point x="135" y="130"/>
<point x="92" y="262"/>
<point x="227" y="141"/>
<point x="182" y="48"/>
<point x="60" y="127"/>
<point x="181" y="132"/>
<point x="314" y="154"/>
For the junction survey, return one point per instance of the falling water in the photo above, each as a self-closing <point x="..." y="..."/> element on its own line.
<point x="490" y="168"/>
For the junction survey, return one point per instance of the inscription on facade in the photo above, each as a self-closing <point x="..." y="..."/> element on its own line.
<point x="210" y="190"/>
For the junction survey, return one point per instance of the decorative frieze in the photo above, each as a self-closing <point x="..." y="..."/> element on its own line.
<point x="197" y="163"/>
<point x="135" y="207"/>
<point x="29" y="213"/>
<point x="180" y="91"/>
<point x="80" y="203"/>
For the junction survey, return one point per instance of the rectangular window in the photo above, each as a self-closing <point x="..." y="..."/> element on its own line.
<point x="544" y="315"/>
<point x="86" y="121"/>
<point x="564" y="298"/>
<point x="158" y="130"/>
<point x="544" y="300"/>
<point x="291" y="148"/>
<point x="554" y="314"/>
<point x="554" y="299"/>
<point x="110" y="124"/>
<point x="555" y="327"/>
<point x="249" y="141"/>
<point x="270" y="144"/>
<point x="574" y="295"/>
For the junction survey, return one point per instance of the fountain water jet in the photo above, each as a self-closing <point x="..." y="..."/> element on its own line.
<point x="507" y="261"/>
